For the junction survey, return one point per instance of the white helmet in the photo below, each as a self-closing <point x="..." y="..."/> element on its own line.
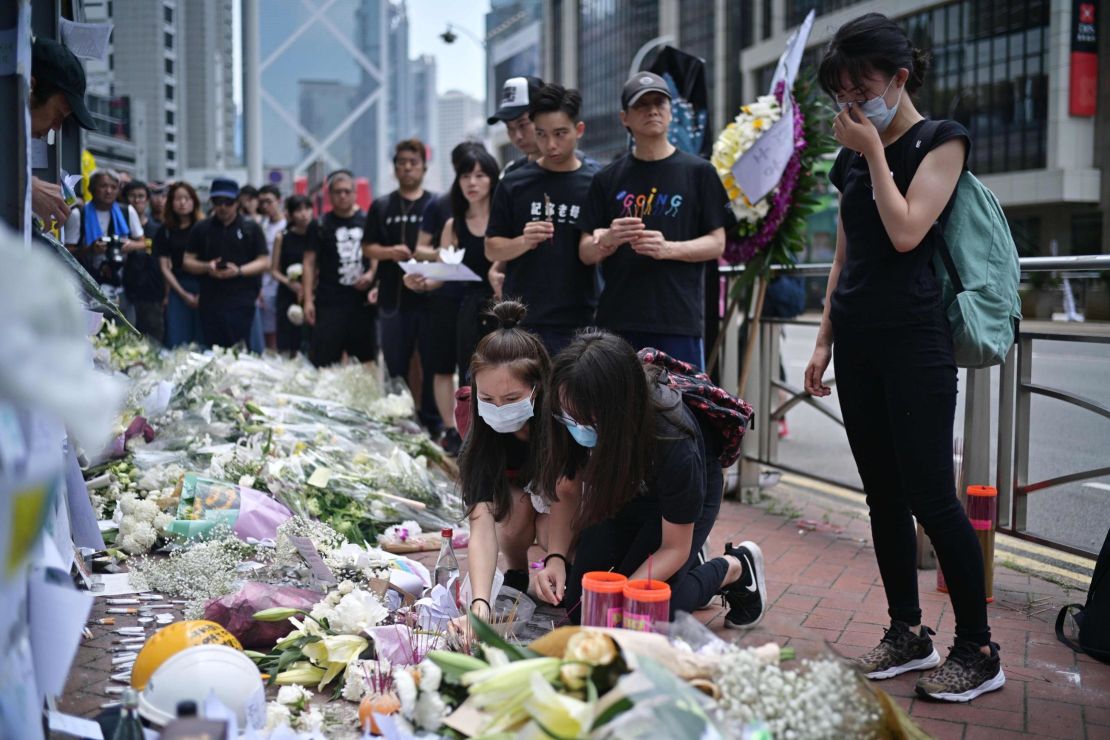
<point x="194" y="674"/>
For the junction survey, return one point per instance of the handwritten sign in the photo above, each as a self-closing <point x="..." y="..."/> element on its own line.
<point x="320" y="571"/>
<point x="759" y="169"/>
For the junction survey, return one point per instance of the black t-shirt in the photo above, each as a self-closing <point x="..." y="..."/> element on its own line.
<point x="680" y="196"/>
<point x="142" y="275"/>
<point x="293" y="247"/>
<point x="515" y="164"/>
<point x="474" y="258"/>
<point x="339" y="260"/>
<point x="435" y="217"/>
<point x="880" y="287"/>
<point x="172" y="243"/>
<point x="679" y="477"/>
<point x="551" y="280"/>
<point x="238" y="243"/>
<point x="395" y="220"/>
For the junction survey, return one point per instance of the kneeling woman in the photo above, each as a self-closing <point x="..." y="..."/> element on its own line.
<point x="651" y="483"/>
<point x="500" y="461"/>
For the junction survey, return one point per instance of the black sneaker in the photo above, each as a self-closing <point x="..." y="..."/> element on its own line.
<point x="451" y="442"/>
<point x="746" y="599"/>
<point x="966" y="674"/>
<point x="900" y="650"/>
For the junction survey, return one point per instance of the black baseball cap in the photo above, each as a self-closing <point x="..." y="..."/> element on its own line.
<point x="640" y="84"/>
<point x="516" y="95"/>
<point x="224" y="187"/>
<point x="53" y="63"/>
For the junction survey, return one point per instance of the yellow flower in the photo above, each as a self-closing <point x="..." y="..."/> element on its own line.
<point x="591" y="646"/>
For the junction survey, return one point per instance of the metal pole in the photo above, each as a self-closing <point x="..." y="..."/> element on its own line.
<point x="977" y="429"/>
<point x="1007" y="384"/>
<point x="15" y="173"/>
<point x="1021" y="426"/>
<point x="252" y="94"/>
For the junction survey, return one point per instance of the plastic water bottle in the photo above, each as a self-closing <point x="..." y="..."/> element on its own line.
<point x="447" y="565"/>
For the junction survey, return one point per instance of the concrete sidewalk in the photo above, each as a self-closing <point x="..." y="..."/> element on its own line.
<point x="824" y="591"/>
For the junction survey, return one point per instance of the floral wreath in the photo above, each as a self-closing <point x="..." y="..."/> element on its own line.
<point x="772" y="230"/>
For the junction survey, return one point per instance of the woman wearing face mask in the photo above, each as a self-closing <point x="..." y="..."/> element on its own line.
<point x="651" y="482"/>
<point x="500" y="461"/>
<point x="895" y="369"/>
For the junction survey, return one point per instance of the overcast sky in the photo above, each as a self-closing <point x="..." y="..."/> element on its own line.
<point x="461" y="65"/>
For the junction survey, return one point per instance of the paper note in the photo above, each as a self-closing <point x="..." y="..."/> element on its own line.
<point x="116" y="584"/>
<point x="86" y="40"/>
<point x="57" y="618"/>
<point x="760" y="168"/>
<point x="311" y="555"/>
<point x="441" y="271"/>
<point x="67" y="724"/>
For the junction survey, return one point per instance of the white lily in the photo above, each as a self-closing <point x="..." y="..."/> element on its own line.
<point x="561" y="715"/>
<point x="333" y="654"/>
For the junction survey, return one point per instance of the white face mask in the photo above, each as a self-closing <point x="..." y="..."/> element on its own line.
<point x="877" y="110"/>
<point x="508" y="418"/>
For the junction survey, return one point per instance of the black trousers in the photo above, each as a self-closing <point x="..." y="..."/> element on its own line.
<point x="624" y="542"/>
<point x="225" y="325"/>
<point x="897" y="391"/>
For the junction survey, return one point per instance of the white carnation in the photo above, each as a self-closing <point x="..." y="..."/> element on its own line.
<point x="292" y="695"/>
<point x="277" y="715"/>
<point x="430" y="711"/>
<point x="354" y="682"/>
<point x="405" y="687"/>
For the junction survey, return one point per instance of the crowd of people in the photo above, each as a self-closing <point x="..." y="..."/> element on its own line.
<point x="574" y="445"/>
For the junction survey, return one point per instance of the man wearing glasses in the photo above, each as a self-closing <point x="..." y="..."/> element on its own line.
<point x="651" y="221"/>
<point x="229" y="252"/>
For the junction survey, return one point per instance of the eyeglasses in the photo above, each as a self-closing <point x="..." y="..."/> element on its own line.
<point x="222" y="202"/>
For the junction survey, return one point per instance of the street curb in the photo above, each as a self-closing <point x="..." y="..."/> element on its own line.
<point x="1027" y="557"/>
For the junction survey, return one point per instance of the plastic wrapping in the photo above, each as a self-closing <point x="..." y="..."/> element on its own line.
<point x="235" y="612"/>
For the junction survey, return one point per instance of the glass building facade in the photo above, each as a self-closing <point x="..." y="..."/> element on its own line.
<point x="989" y="72"/>
<point x="609" y="34"/>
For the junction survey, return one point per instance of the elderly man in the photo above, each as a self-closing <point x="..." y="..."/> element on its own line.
<point x="103" y="232"/>
<point x="229" y="252"/>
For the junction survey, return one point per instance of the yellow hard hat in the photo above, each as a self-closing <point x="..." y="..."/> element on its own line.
<point x="171" y="640"/>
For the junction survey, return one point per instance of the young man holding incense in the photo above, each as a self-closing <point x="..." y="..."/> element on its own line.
<point x="652" y="219"/>
<point x="534" y="224"/>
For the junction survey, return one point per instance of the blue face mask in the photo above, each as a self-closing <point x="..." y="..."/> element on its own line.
<point x="583" y="434"/>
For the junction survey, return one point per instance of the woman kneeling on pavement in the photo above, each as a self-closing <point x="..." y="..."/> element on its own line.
<point x="501" y="459"/>
<point x="651" y="484"/>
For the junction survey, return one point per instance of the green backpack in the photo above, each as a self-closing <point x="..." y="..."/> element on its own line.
<point x="977" y="265"/>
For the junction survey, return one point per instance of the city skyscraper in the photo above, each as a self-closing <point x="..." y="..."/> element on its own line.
<point x="321" y="107"/>
<point x="461" y="117"/>
<point x="144" y="66"/>
<point x="425" y="111"/>
<point x="208" y="116"/>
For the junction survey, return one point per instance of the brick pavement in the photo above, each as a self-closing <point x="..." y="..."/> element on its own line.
<point x="824" y="592"/>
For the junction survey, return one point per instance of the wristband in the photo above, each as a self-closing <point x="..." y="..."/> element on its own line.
<point x="488" y="607"/>
<point x="555" y="555"/>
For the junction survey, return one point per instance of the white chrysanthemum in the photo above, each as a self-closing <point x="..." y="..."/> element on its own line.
<point x="277" y="715"/>
<point x="430" y="711"/>
<point x="294" y="271"/>
<point x="311" y="720"/>
<point x="430" y="676"/>
<point x="293" y="695"/>
<point x="354" y="682"/>
<point x="405" y="687"/>
<point x="357" y="611"/>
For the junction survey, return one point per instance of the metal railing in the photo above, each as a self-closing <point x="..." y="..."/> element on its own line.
<point x="1016" y="390"/>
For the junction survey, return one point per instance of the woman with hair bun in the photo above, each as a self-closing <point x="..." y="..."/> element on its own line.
<point x="895" y="367"/>
<point x="500" y="460"/>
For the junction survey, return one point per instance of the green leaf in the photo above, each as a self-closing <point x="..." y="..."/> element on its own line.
<point x="612" y="713"/>
<point x="489" y="636"/>
<point x="288" y="656"/>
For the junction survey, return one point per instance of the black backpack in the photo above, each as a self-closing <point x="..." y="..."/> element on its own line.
<point x="1093" y="618"/>
<point x="722" y="412"/>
